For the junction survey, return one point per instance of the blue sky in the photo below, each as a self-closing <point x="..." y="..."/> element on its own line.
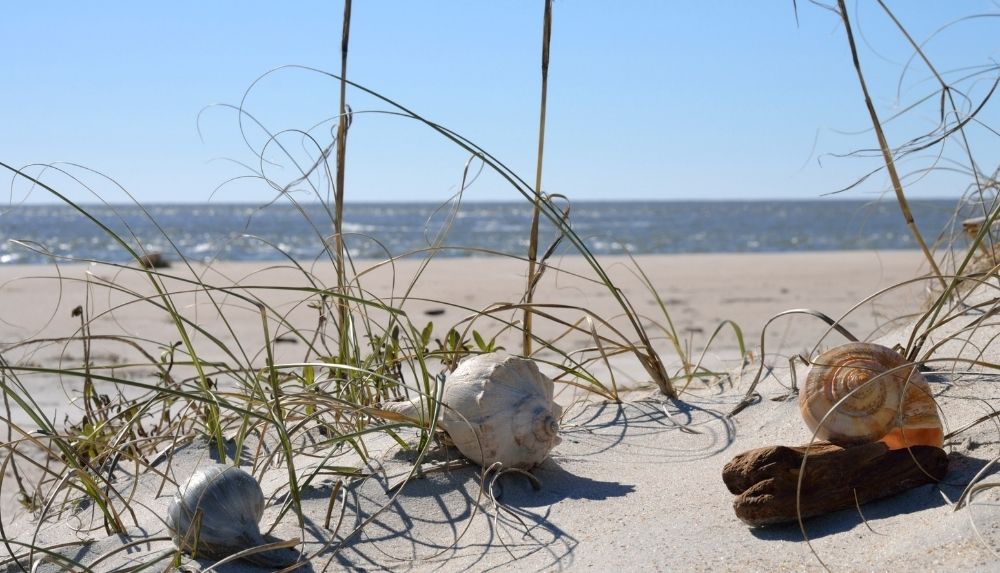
<point x="647" y="100"/>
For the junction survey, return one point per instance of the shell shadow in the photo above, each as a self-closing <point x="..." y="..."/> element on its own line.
<point x="961" y="469"/>
<point x="427" y="520"/>
<point x="554" y="485"/>
<point x="451" y="514"/>
<point x="288" y="556"/>
<point x="555" y="482"/>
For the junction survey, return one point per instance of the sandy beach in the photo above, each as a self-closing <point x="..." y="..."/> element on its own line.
<point x="700" y="291"/>
<point x="270" y="302"/>
<point x="634" y="486"/>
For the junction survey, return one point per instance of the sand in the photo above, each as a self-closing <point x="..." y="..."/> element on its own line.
<point x="634" y="486"/>
<point x="699" y="291"/>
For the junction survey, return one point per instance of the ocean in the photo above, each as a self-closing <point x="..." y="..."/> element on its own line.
<point x="34" y="234"/>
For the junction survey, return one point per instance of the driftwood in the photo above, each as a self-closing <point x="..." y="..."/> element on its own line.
<point x="153" y="260"/>
<point x="766" y="480"/>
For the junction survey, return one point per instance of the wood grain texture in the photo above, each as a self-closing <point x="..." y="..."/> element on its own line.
<point x="766" y="480"/>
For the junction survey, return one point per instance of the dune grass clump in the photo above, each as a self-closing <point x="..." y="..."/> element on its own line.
<point x="309" y="377"/>
<point x="207" y="376"/>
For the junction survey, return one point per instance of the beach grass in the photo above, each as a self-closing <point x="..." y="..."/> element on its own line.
<point x="210" y="380"/>
<point x="358" y="351"/>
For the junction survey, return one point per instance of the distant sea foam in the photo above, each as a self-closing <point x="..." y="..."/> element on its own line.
<point x="252" y="233"/>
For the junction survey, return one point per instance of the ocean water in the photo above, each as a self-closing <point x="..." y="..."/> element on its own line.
<point x="36" y="233"/>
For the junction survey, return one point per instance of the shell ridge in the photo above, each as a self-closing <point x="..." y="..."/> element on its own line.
<point x="496" y="407"/>
<point x="862" y="392"/>
<point x="217" y="512"/>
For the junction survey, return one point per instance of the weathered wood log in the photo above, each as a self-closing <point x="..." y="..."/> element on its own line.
<point x="766" y="480"/>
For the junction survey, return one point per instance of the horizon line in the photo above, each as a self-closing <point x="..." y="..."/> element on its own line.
<point x="889" y="198"/>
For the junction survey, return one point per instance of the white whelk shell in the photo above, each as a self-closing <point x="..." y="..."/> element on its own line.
<point x="216" y="514"/>
<point x="496" y="408"/>
<point x="875" y="395"/>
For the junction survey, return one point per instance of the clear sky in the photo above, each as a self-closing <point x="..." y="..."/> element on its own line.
<point x="647" y="100"/>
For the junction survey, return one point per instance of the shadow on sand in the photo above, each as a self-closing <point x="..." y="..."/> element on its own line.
<point x="469" y="521"/>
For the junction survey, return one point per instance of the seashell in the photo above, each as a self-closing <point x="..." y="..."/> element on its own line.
<point x="885" y="398"/>
<point x="496" y="408"/>
<point x="216" y="514"/>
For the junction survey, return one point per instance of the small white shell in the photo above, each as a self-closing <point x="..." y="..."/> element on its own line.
<point x="883" y="398"/>
<point x="497" y="408"/>
<point x="216" y="514"/>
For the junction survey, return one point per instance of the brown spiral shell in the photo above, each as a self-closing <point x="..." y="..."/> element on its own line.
<point x="875" y="394"/>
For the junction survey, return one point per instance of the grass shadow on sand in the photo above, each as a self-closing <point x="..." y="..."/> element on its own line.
<point x="430" y="516"/>
<point x="599" y="428"/>
<point x="428" y="519"/>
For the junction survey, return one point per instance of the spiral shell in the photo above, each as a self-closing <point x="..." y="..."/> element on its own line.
<point x="216" y="514"/>
<point x="497" y="408"/>
<point x="877" y="395"/>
